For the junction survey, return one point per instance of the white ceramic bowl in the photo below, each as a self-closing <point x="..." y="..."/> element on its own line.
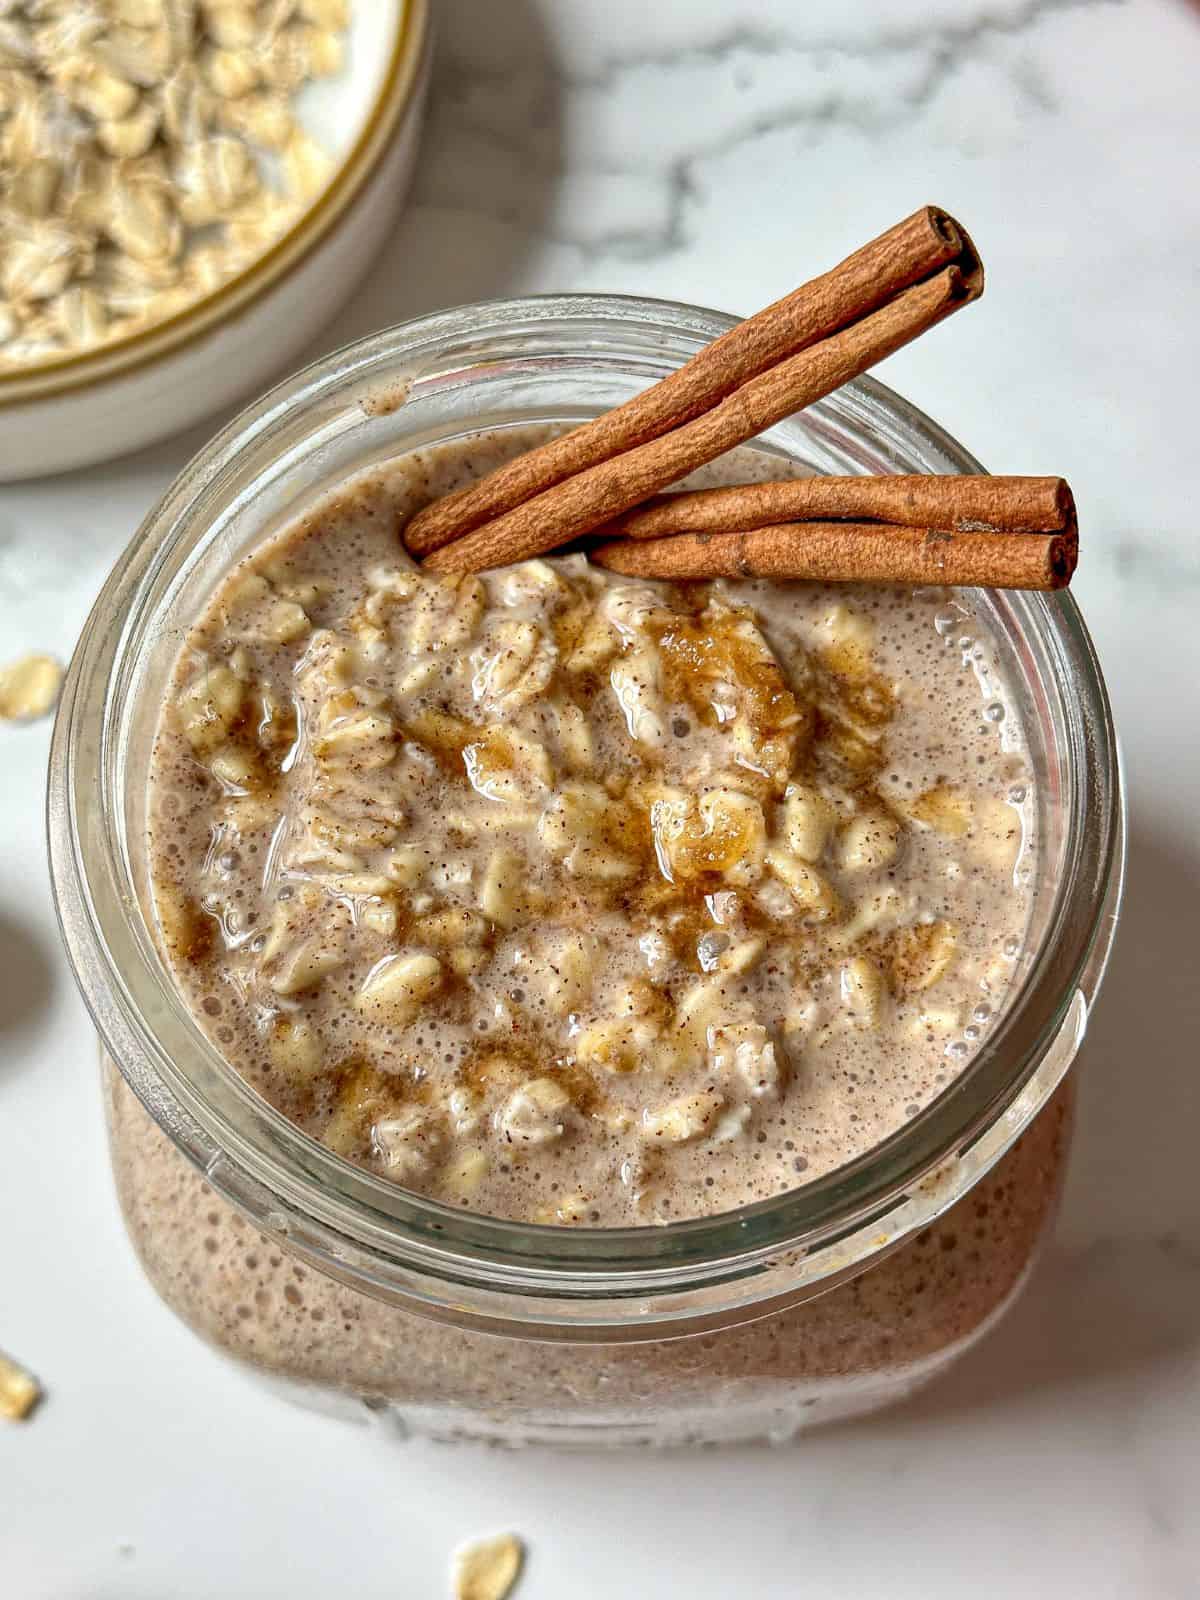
<point x="121" y="396"/>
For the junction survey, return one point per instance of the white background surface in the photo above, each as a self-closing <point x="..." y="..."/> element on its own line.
<point x="718" y="152"/>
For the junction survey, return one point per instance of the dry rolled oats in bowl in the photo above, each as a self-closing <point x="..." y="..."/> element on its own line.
<point x="188" y="189"/>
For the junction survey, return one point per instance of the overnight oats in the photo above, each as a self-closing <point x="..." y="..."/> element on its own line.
<point x="593" y="1007"/>
<point x="574" y="899"/>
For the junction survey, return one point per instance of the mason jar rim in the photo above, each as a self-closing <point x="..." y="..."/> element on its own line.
<point x="362" y="1227"/>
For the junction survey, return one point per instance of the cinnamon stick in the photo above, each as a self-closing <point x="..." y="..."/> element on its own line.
<point x="583" y="502"/>
<point x="853" y="552"/>
<point x="906" y="254"/>
<point x="968" y="504"/>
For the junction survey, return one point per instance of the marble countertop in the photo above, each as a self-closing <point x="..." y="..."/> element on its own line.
<point x="716" y="152"/>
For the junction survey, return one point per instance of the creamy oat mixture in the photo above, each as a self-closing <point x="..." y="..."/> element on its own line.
<point x="580" y="900"/>
<point x="861" y="1344"/>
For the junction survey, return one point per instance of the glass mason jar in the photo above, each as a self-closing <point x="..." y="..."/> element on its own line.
<point x="838" y="1297"/>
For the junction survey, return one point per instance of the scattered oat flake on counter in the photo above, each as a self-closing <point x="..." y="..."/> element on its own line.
<point x="489" y="1568"/>
<point x="29" y="687"/>
<point x="19" y="1391"/>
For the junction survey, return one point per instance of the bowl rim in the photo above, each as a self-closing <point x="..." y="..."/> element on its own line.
<point x="399" y="89"/>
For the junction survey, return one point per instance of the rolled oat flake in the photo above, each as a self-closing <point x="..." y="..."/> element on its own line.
<point x="489" y="1568"/>
<point x="29" y="687"/>
<point x="19" y="1391"/>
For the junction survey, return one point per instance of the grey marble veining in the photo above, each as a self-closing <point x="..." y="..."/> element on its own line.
<point x="810" y="82"/>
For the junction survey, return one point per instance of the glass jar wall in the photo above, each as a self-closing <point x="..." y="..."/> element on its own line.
<point x="832" y="1299"/>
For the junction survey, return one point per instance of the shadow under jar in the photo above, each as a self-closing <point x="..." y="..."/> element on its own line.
<point x="830" y="1300"/>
